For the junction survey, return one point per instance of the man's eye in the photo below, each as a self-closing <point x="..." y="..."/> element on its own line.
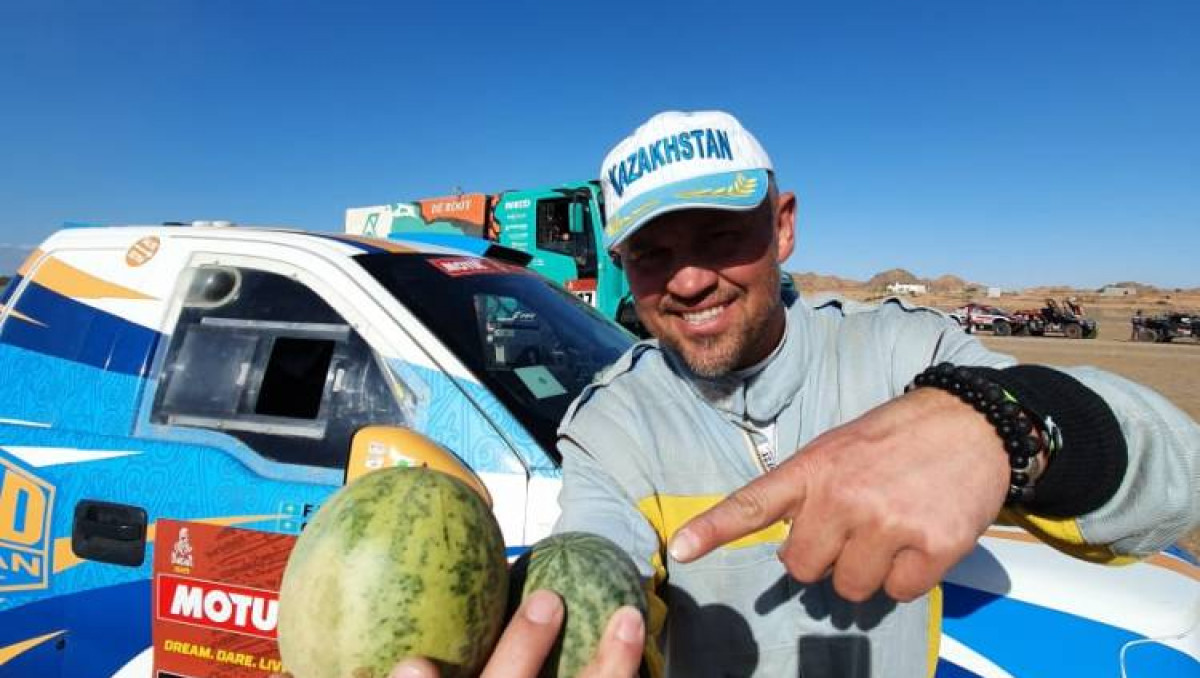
<point x="647" y="258"/>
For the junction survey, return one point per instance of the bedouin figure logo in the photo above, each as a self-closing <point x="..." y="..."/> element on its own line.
<point x="25" y="504"/>
<point x="181" y="552"/>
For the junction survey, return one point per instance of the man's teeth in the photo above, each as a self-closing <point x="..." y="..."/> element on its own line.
<point x="703" y="316"/>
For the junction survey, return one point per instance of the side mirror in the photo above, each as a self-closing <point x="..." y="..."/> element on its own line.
<point x="377" y="447"/>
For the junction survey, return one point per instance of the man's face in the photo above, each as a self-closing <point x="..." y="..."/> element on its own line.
<point x="706" y="282"/>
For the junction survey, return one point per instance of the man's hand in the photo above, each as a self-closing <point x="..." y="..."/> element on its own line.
<point x="530" y="636"/>
<point x="892" y="499"/>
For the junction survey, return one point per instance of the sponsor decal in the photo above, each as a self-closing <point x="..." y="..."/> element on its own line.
<point x="294" y="516"/>
<point x="26" y="502"/>
<point x="372" y="226"/>
<point x="142" y="251"/>
<point x="584" y="289"/>
<point x="218" y="619"/>
<point x="456" y="266"/>
<point x="470" y="208"/>
<point x="238" y="609"/>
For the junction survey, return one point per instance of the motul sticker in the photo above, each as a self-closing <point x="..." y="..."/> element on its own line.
<point x="238" y="609"/>
<point x="216" y="600"/>
<point x="457" y="266"/>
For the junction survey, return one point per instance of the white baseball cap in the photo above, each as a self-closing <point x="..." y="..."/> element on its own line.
<point x="676" y="161"/>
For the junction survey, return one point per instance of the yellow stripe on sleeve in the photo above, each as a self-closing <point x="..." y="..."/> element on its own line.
<point x="1063" y="534"/>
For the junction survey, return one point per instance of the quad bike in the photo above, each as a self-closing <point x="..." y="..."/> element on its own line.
<point x="1053" y="319"/>
<point x="1165" y="327"/>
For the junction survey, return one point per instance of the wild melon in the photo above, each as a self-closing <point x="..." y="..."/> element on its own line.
<point x="400" y="562"/>
<point x="594" y="577"/>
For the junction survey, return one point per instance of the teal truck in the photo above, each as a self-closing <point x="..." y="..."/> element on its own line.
<point x="561" y="228"/>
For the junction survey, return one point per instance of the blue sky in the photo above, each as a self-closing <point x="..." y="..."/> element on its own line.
<point x="1012" y="142"/>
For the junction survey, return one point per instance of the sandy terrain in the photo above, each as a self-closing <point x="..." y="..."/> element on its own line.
<point x="1171" y="369"/>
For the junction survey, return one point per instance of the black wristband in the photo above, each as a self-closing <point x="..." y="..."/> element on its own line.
<point x="1024" y="439"/>
<point x="1091" y="461"/>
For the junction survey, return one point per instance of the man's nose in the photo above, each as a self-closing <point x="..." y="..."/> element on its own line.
<point x="691" y="281"/>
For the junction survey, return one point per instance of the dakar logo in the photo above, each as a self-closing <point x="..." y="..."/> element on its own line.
<point x="181" y="553"/>
<point x="142" y="251"/>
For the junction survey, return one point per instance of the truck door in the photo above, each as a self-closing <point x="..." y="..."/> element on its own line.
<point x="281" y="367"/>
<point x="246" y="420"/>
<point x="564" y="238"/>
<point x="259" y="357"/>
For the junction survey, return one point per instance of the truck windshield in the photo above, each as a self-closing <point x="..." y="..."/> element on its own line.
<point x="530" y="343"/>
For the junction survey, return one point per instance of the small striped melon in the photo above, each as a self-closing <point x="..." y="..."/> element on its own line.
<point x="594" y="577"/>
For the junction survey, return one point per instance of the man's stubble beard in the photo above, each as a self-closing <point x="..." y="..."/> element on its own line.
<point x="715" y="357"/>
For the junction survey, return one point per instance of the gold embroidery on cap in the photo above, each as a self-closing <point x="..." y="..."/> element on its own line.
<point x="740" y="188"/>
<point x="617" y="225"/>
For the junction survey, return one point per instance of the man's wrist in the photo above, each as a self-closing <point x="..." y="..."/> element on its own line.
<point x="1091" y="456"/>
<point x="1027" y="443"/>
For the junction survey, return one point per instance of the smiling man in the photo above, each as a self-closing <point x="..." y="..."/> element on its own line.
<point x="794" y="481"/>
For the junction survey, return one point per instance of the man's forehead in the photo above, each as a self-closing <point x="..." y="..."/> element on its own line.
<point x="674" y="224"/>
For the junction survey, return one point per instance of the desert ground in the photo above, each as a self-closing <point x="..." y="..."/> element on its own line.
<point x="1172" y="369"/>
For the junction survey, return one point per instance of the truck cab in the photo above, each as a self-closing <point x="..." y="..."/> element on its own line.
<point x="237" y="377"/>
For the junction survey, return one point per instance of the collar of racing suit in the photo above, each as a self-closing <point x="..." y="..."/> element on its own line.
<point x="760" y="392"/>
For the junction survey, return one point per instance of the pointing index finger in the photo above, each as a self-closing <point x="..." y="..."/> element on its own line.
<point x="746" y="511"/>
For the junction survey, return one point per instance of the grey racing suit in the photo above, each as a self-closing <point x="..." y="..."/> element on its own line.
<point x="650" y="445"/>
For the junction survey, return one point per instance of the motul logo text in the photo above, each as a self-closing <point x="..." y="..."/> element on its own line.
<point x="253" y="612"/>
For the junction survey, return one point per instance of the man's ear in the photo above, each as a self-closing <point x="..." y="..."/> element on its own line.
<point x="785" y="225"/>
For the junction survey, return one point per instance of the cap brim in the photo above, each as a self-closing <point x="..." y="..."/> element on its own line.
<point x="741" y="190"/>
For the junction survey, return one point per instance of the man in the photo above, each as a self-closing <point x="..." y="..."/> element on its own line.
<point x="789" y="499"/>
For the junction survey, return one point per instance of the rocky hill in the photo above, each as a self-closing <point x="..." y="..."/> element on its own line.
<point x="949" y="283"/>
<point x="824" y="283"/>
<point x="880" y="281"/>
<point x="821" y="282"/>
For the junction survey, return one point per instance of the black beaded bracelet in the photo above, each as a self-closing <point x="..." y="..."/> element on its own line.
<point x="1023" y="440"/>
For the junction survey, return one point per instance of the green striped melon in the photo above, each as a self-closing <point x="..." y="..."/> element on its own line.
<point x="594" y="577"/>
<point x="400" y="562"/>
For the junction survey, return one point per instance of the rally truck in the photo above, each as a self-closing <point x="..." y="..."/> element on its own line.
<point x="560" y="227"/>
<point x="180" y="400"/>
<point x="162" y="381"/>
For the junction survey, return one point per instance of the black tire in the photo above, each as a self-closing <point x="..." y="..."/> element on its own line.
<point x="1001" y="328"/>
<point x="1145" y="334"/>
<point x="1073" y="331"/>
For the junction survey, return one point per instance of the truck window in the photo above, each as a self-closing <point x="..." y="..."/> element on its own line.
<point x="554" y="226"/>
<point x="533" y="345"/>
<point x="263" y="358"/>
